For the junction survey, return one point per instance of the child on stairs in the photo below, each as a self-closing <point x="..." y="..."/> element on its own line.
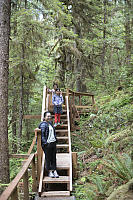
<point x="57" y="100"/>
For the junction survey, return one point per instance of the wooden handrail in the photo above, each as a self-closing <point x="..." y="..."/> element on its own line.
<point x="32" y="145"/>
<point x="44" y="101"/>
<point x="41" y="175"/>
<point x="11" y="190"/>
<point x="69" y="137"/>
<point x="80" y="93"/>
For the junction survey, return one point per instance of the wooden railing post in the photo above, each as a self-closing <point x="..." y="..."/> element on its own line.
<point x="14" y="195"/>
<point x="80" y="100"/>
<point x="39" y="154"/>
<point x="44" y="101"/>
<point x="93" y="101"/>
<point x="74" y="161"/>
<point x="26" y="187"/>
<point x="73" y="98"/>
<point x="34" y="184"/>
<point x="67" y="94"/>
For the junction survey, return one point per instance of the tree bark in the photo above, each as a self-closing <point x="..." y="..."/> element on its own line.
<point x="4" y="64"/>
<point x="104" y="42"/>
<point x="21" y="100"/>
<point x="14" y="120"/>
<point x="128" y="25"/>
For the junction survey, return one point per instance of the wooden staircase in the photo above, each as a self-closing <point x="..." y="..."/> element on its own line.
<point x="62" y="186"/>
<point x="51" y="188"/>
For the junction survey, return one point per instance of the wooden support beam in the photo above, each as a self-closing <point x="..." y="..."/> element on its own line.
<point x="14" y="195"/>
<point x="39" y="155"/>
<point x="41" y="175"/>
<point x="80" y="100"/>
<point x="26" y="187"/>
<point x="34" y="183"/>
<point x="74" y="164"/>
<point x="32" y="145"/>
<point x="93" y="101"/>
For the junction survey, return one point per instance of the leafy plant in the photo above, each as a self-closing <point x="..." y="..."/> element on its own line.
<point x="122" y="167"/>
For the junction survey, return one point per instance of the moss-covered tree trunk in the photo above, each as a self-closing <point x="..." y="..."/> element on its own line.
<point x="4" y="64"/>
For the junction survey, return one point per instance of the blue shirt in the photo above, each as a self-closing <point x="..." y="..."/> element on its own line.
<point x="57" y="100"/>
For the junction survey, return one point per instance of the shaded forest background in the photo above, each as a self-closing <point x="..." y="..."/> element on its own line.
<point x="83" y="45"/>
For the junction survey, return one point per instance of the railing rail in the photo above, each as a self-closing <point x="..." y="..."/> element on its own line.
<point x="69" y="136"/>
<point x="44" y="101"/>
<point x="11" y="190"/>
<point x="80" y="95"/>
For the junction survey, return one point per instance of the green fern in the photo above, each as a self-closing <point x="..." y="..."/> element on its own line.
<point x="121" y="167"/>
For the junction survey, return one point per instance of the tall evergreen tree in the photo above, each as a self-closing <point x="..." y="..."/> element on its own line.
<point x="4" y="63"/>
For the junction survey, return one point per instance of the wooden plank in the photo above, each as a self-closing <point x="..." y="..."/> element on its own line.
<point x="63" y="160"/>
<point x="69" y="135"/>
<point x="41" y="176"/>
<point x="44" y="102"/>
<point x="81" y="93"/>
<point x="62" y="146"/>
<point x="61" y="131"/>
<point x="62" y="126"/>
<point x="26" y="186"/>
<point x="80" y="100"/>
<point x="62" y="138"/>
<point x="74" y="162"/>
<point x="56" y="194"/>
<point x="9" y="190"/>
<point x="39" y="155"/>
<point x="63" y="116"/>
<point x="32" y="145"/>
<point x="31" y="116"/>
<point x="93" y="101"/>
<point x="61" y="179"/>
<point x="34" y="183"/>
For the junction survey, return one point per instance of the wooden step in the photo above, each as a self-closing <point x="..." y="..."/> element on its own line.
<point x="56" y="194"/>
<point x="62" y="126"/>
<point x="61" y="179"/>
<point x="59" y="146"/>
<point x="63" y="160"/>
<point x="63" y="116"/>
<point x="61" y="131"/>
<point x="62" y="138"/>
<point x="63" y="121"/>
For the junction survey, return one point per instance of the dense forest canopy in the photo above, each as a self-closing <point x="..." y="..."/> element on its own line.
<point x="85" y="45"/>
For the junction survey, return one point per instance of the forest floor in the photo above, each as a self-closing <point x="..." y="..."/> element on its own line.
<point x="104" y="145"/>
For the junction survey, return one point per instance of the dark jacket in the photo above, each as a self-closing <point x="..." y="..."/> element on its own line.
<point x="44" y="126"/>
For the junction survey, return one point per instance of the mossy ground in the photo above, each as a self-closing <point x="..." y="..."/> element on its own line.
<point x="104" y="146"/>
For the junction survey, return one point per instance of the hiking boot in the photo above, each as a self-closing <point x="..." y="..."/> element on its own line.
<point x="55" y="174"/>
<point x="51" y="174"/>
